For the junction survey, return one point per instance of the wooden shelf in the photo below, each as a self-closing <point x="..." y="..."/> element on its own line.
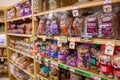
<point x="30" y="56"/>
<point x="42" y="77"/>
<point x="90" y="73"/>
<point x="77" y="39"/>
<point x="20" y="18"/>
<point x="80" y="6"/>
<point x="20" y="35"/>
<point x="2" y="46"/>
<point x="2" y="21"/>
<point x="3" y="57"/>
<point x="22" y="69"/>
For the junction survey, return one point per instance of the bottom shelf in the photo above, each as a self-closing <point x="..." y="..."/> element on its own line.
<point x="88" y="73"/>
<point x="40" y="77"/>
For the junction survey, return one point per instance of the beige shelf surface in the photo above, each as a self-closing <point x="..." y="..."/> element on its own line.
<point x="20" y="35"/>
<point x="19" y="18"/>
<point x="22" y="53"/>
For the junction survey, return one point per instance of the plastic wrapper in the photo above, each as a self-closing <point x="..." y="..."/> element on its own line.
<point x="91" y="25"/>
<point x="78" y="25"/>
<point x="108" y="26"/>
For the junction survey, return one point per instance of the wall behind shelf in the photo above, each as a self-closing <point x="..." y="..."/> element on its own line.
<point x="8" y="2"/>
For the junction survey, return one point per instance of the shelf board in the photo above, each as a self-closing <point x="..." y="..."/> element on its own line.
<point x="2" y="32"/>
<point x="42" y="77"/>
<point x="2" y="46"/>
<point x="89" y="73"/>
<point x="22" y="69"/>
<point x="30" y="56"/>
<point x="20" y="35"/>
<point x="77" y="39"/>
<point x="80" y="6"/>
<point x="3" y="57"/>
<point x="23" y="1"/>
<point x="19" y="18"/>
<point x="2" y="21"/>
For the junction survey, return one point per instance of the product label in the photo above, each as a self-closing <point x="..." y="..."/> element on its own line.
<point x="103" y="68"/>
<point x="75" y="11"/>
<point x="33" y="38"/>
<point x="109" y="48"/>
<point x="63" y="39"/>
<point x="107" y="6"/>
<point x="72" y="43"/>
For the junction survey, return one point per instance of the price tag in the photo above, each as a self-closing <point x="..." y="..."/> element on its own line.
<point x="75" y="11"/>
<point x="96" y="78"/>
<point x="72" y="43"/>
<point x="63" y="39"/>
<point x="33" y="38"/>
<point x="35" y="18"/>
<point x="72" y="70"/>
<point x="44" y="38"/>
<point x="107" y="6"/>
<point x="2" y="59"/>
<point x="59" y="44"/>
<point x="50" y="14"/>
<point x="86" y="37"/>
<point x="109" y="48"/>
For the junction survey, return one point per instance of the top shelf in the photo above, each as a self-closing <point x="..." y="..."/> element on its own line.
<point x="80" y="6"/>
<point x="23" y="1"/>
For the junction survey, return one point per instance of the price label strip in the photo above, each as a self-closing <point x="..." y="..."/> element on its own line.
<point x="107" y="6"/>
<point x="109" y="48"/>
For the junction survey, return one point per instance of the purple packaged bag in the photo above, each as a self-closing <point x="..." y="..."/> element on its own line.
<point x="22" y="12"/>
<point x="27" y="8"/>
<point x="71" y="60"/>
<point x="91" y="25"/>
<point x="48" y="27"/>
<point x="54" y="27"/>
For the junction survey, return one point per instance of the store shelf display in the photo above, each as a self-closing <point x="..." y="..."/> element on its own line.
<point x="55" y="44"/>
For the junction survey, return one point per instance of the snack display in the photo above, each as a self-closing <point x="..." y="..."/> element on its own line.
<point x="23" y="61"/>
<point x="23" y="45"/>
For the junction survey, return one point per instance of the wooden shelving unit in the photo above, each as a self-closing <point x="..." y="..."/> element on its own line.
<point x="3" y="58"/>
<point x="77" y="39"/>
